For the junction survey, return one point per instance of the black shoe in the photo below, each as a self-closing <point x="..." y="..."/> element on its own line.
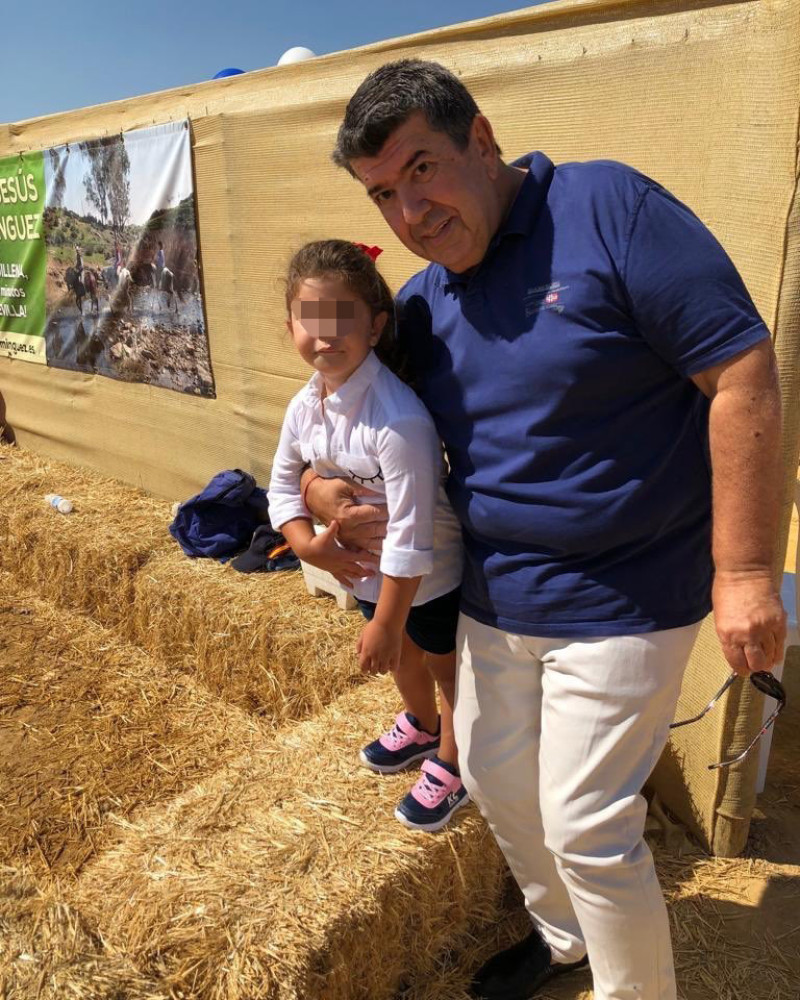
<point x="519" y="971"/>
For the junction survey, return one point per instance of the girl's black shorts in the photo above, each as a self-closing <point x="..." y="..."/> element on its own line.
<point x="431" y="626"/>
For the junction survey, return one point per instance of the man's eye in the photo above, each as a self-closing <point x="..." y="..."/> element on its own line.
<point x="423" y="168"/>
<point x="382" y="197"/>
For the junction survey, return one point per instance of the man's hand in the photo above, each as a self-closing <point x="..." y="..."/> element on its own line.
<point x="750" y="621"/>
<point x="361" y="525"/>
<point x="379" y="648"/>
<point x="345" y="565"/>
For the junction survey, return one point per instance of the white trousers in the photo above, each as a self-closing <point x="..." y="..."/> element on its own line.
<point x="556" y="738"/>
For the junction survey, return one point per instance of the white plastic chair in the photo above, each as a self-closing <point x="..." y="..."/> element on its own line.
<point x="790" y="595"/>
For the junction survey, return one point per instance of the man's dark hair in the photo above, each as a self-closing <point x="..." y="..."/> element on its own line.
<point x="390" y="95"/>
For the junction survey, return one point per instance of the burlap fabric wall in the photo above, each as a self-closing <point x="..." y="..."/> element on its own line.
<point x="701" y="96"/>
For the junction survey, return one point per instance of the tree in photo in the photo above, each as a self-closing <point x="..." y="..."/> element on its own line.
<point x="58" y="164"/>
<point x="107" y="181"/>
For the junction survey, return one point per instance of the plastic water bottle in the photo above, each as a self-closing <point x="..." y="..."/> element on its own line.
<point x="59" y="503"/>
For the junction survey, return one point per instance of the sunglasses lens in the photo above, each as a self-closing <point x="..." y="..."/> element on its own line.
<point x="768" y="685"/>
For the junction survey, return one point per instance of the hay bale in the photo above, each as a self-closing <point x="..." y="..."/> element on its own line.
<point x="48" y="952"/>
<point x="86" y="560"/>
<point x="258" y="640"/>
<point x="91" y="727"/>
<point x="287" y="876"/>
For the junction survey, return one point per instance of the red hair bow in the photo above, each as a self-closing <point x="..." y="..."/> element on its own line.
<point x="372" y="252"/>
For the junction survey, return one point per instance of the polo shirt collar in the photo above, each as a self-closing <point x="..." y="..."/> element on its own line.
<point x="524" y="212"/>
<point x="349" y="394"/>
<point x="532" y="193"/>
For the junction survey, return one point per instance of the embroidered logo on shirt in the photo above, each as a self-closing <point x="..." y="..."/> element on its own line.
<point x="366" y="479"/>
<point x="545" y="297"/>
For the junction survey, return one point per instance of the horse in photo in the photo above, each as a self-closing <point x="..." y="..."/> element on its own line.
<point x="73" y="280"/>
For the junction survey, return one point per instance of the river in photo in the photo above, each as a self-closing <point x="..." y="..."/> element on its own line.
<point x="150" y="342"/>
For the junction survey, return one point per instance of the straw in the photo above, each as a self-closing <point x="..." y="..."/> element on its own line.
<point x="286" y="875"/>
<point x="91" y="728"/>
<point x="258" y="640"/>
<point x="85" y="560"/>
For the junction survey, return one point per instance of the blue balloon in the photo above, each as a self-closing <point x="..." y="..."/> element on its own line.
<point x="231" y="71"/>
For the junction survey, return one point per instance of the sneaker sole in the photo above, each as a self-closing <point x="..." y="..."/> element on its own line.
<point x="394" y="768"/>
<point x="430" y="827"/>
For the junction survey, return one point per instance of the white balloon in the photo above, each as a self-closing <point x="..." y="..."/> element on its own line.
<point x="299" y="53"/>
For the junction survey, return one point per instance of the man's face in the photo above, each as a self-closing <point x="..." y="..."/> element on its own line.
<point x="442" y="203"/>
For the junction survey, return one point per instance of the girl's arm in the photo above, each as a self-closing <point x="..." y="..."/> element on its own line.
<point x="289" y="514"/>
<point x="284" y="495"/>
<point x="410" y="459"/>
<point x="380" y="642"/>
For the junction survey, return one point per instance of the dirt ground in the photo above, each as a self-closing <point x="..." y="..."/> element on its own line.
<point x="735" y="923"/>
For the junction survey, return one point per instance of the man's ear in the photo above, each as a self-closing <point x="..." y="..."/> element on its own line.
<point x="378" y="324"/>
<point x="482" y="140"/>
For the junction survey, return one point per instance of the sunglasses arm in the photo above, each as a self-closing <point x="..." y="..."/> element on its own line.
<point x="744" y="753"/>
<point x="709" y="706"/>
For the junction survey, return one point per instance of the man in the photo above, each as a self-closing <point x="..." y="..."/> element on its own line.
<point x="581" y="341"/>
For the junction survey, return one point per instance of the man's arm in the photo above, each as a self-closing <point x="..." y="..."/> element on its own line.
<point x="745" y="438"/>
<point x="321" y="550"/>
<point x="362" y="526"/>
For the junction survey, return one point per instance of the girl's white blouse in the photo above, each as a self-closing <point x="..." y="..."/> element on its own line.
<point x="376" y="432"/>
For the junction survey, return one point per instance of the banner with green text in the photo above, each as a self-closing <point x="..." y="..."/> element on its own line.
<point x="99" y="266"/>
<point x="23" y="261"/>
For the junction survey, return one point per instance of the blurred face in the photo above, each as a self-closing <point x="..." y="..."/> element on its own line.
<point x="443" y="203"/>
<point x="333" y="328"/>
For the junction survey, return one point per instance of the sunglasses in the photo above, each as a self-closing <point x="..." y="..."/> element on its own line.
<point x="763" y="682"/>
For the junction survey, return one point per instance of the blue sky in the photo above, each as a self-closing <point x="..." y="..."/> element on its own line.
<point x="62" y="55"/>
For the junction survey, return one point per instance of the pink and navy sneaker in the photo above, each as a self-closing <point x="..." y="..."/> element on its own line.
<point x="433" y="800"/>
<point x="402" y="746"/>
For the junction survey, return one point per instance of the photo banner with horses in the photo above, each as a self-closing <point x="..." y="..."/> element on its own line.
<point x="99" y="268"/>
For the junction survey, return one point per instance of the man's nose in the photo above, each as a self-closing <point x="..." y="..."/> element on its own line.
<point x="415" y="208"/>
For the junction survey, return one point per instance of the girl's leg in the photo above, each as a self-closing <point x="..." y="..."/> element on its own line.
<point x="408" y="741"/>
<point x="442" y="669"/>
<point x="416" y="686"/>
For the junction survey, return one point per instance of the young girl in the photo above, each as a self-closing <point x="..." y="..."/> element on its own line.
<point x="357" y="420"/>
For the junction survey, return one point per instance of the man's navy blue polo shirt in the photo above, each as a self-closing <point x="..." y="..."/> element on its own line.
<point x="558" y="376"/>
